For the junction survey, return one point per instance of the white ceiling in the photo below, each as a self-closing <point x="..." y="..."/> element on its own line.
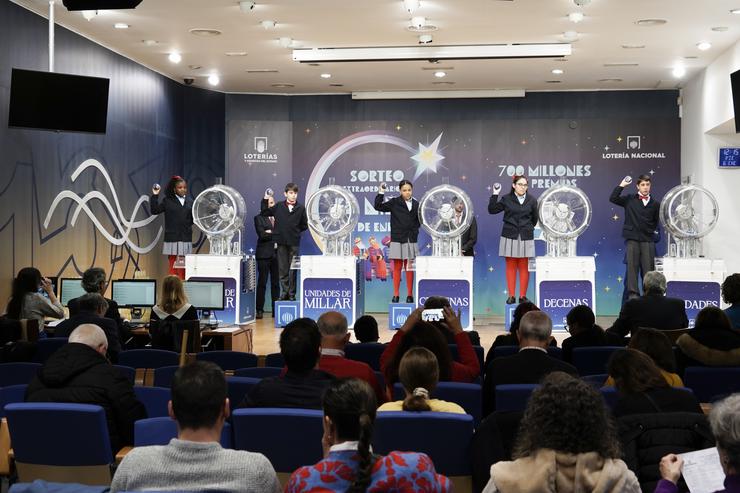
<point x="608" y="25"/>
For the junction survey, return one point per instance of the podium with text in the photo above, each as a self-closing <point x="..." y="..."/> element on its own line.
<point x="331" y="283"/>
<point x="451" y="277"/>
<point x="697" y="281"/>
<point x="563" y="283"/>
<point x="238" y="273"/>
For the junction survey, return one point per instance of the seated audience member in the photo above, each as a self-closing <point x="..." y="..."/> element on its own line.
<point x="94" y="280"/>
<point x="349" y="464"/>
<point x="79" y="373"/>
<point x="656" y="345"/>
<point x="724" y="419"/>
<point x="731" y="296"/>
<point x="366" y="329"/>
<point x="566" y="442"/>
<point x="530" y="364"/>
<point x="173" y="302"/>
<point x="91" y="308"/>
<point x="643" y="389"/>
<point x="419" y="374"/>
<point x="654" y="309"/>
<point x="583" y="331"/>
<point x="442" y="302"/>
<point x="415" y="332"/>
<point x="195" y="460"/>
<point x="711" y="342"/>
<point x="511" y="339"/>
<point x="334" y="337"/>
<point x="27" y="303"/>
<point x="302" y="384"/>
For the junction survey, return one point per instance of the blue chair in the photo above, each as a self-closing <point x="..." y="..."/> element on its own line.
<point x="48" y="443"/>
<point x="11" y="394"/>
<point x="596" y="381"/>
<point x="229" y="360"/>
<point x="468" y="395"/>
<point x="592" y="360"/>
<point x="275" y="360"/>
<point x="238" y="388"/>
<point x="259" y="372"/>
<point x="499" y="351"/>
<point x="479" y="352"/>
<point x="163" y="376"/>
<point x="18" y="373"/>
<point x="155" y="400"/>
<point x="444" y="437"/>
<point x="47" y="347"/>
<point x="367" y="352"/>
<point x="513" y="397"/>
<point x="148" y="358"/>
<point x="159" y="431"/>
<point x="712" y="383"/>
<point x="128" y="372"/>
<point x="289" y="438"/>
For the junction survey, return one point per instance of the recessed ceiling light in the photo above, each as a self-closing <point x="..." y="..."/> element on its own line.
<point x="121" y="25"/>
<point x="570" y="36"/>
<point x="268" y="24"/>
<point x="282" y="85"/>
<point x="633" y="46"/>
<point x="650" y="22"/>
<point x="326" y="76"/>
<point x="150" y="42"/>
<point x="194" y="67"/>
<point x="440" y="73"/>
<point x="735" y="11"/>
<point x="214" y="79"/>
<point x="557" y="71"/>
<point x="704" y="45"/>
<point x="204" y="31"/>
<point x="236" y="53"/>
<point x="613" y="79"/>
<point x="419" y="24"/>
<point x="261" y="71"/>
<point x="575" y="17"/>
<point x="174" y="57"/>
<point x="678" y="71"/>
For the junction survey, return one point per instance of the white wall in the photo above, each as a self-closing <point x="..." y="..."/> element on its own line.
<point x="707" y="124"/>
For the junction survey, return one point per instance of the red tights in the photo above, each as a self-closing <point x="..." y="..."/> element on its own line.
<point x="399" y="265"/>
<point x="173" y="270"/>
<point x="512" y="265"/>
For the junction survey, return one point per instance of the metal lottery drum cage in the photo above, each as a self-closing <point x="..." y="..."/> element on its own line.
<point x="220" y="212"/>
<point x="688" y="213"/>
<point x="564" y="214"/>
<point x="333" y="213"/>
<point x="438" y="212"/>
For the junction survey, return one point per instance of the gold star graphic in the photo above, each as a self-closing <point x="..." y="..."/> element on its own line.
<point x="463" y="177"/>
<point x="490" y="269"/>
<point x="619" y="139"/>
<point x="308" y="130"/>
<point x="607" y="289"/>
<point x="398" y="127"/>
<point x="615" y="217"/>
<point x="619" y="279"/>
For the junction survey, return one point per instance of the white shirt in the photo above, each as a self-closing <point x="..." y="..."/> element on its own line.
<point x="521" y="198"/>
<point x="181" y="199"/>
<point x="646" y="200"/>
<point x="409" y="204"/>
<point x="332" y="352"/>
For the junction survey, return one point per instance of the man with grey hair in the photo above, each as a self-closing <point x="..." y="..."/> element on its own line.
<point x="724" y="420"/>
<point x="91" y="310"/>
<point x="79" y="373"/>
<point x="529" y="365"/>
<point x="334" y="337"/>
<point x="654" y="309"/>
<point x="95" y="280"/>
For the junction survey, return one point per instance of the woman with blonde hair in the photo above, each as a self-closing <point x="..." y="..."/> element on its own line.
<point x="173" y="302"/>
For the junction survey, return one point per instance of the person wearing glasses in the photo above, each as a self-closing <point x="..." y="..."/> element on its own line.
<point x="517" y="234"/>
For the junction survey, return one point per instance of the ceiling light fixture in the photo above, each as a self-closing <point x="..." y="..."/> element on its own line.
<point x="204" y="32"/>
<point x="557" y="71"/>
<point x="492" y="93"/>
<point x="236" y="53"/>
<point x="174" y="57"/>
<point x="735" y="11"/>
<point x="704" y="45"/>
<point x="214" y="79"/>
<point x="425" y="39"/>
<point x="246" y="7"/>
<point x="575" y="17"/>
<point x="418" y="22"/>
<point x="633" y="47"/>
<point x="282" y="85"/>
<point x="430" y="52"/>
<point x="268" y="24"/>
<point x="411" y="5"/>
<point x="650" y="22"/>
<point x="194" y="67"/>
<point x="678" y="71"/>
<point x="571" y="36"/>
<point x="610" y="80"/>
<point x="89" y="14"/>
<point x="326" y="76"/>
<point x="150" y="42"/>
<point x="439" y="74"/>
<point x="720" y="29"/>
<point x="121" y="25"/>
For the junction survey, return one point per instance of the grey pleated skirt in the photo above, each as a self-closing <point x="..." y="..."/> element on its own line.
<point x="403" y="251"/>
<point x="177" y="248"/>
<point x="517" y="248"/>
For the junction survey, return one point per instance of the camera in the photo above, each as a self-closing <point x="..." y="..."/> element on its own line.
<point x="246" y="6"/>
<point x="433" y="315"/>
<point x="188" y="81"/>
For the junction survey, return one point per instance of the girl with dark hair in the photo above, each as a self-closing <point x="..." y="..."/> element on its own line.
<point x="566" y="442"/>
<point x="655" y="345"/>
<point x="712" y="341"/>
<point x="349" y="465"/>
<point x="27" y="303"/>
<point x="642" y="388"/>
<point x="178" y="220"/>
<point x="419" y="374"/>
<point x="405" y="224"/>
<point x="517" y="234"/>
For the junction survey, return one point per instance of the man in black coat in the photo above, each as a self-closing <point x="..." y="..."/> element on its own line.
<point x="529" y="365"/>
<point x="290" y="221"/>
<point x="641" y="214"/>
<point x="653" y="310"/>
<point x="78" y="373"/>
<point x="95" y="280"/>
<point x="91" y="308"/>
<point x="267" y="263"/>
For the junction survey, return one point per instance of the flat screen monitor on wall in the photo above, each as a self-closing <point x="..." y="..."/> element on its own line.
<point x="735" y="81"/>
<point x="53" y="101"/>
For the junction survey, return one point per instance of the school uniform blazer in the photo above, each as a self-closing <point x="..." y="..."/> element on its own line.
<point x="640" y="221"/>
<point x="519" y="219"/>
<point x="178" y="218"/>
<point x="288" y="225"/>
<point x="405" y="223"/>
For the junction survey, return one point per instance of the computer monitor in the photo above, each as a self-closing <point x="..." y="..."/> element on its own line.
<point x="134" y="293"/>
<point x="70" y="288"/>
<point x="205" y="295"/>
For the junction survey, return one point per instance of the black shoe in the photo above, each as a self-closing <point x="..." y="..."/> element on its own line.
<point x="260" y="314"/>
<point x="510" y="300"/>
<point x="523" y="299"/>
<point x="409" y="299"/>
<point x="394" y="299"/>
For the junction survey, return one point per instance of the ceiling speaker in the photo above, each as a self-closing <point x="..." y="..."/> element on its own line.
<point x="100" y="4"/>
